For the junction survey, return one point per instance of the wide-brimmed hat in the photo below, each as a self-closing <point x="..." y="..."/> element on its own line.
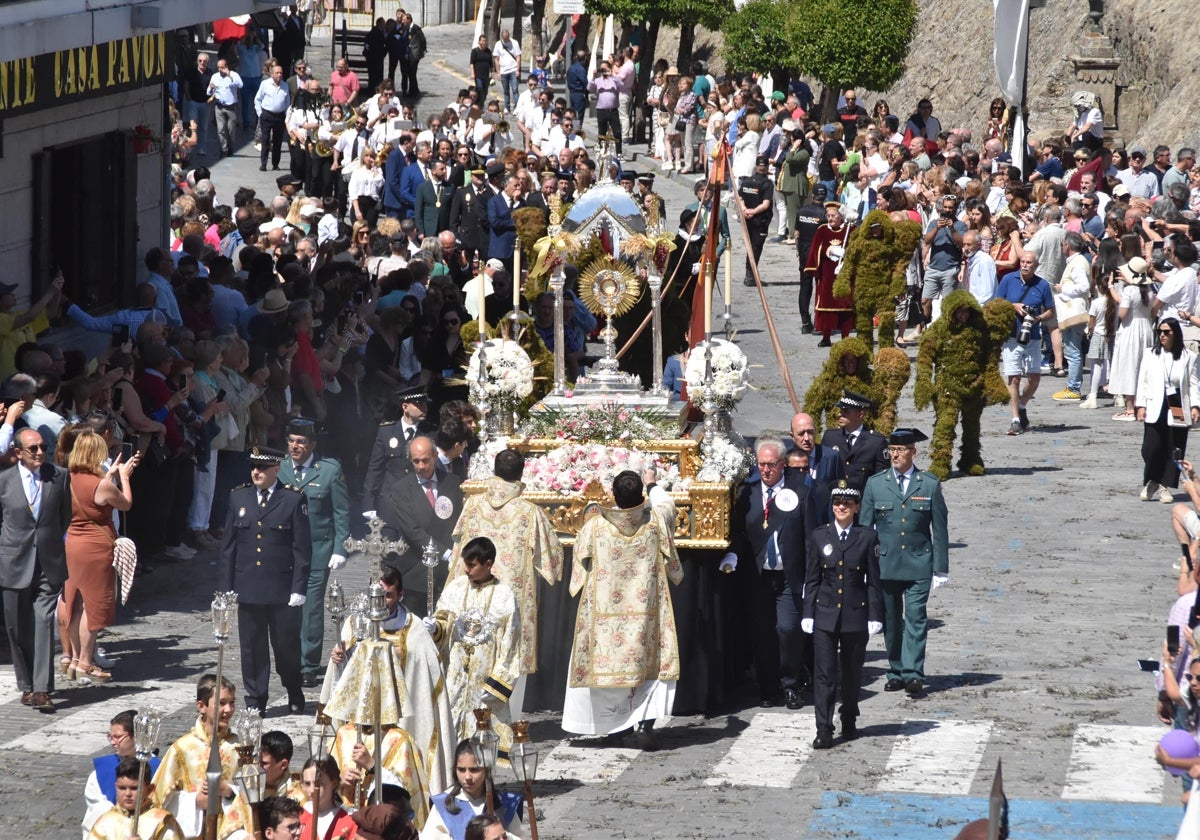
<point x="273" y="302"/>
<point x="1136" y="271"/>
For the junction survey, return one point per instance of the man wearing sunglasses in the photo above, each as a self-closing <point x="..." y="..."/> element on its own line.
<point x="36" y="500"/>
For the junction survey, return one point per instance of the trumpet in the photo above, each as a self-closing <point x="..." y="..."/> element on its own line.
<point x="502" y="126"/>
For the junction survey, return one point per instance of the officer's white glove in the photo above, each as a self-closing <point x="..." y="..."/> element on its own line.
<point x="446" y="556"/>
<point x="297" y="600"/>
<point x="430" y="624"/>
<point x="728" y="562"/>
<point x="940" y="580"/>
<point x="369" y="515"/>
<point x="806" y="624"/>
<point x="336" y="561"/>
<point x="874" y="628"/>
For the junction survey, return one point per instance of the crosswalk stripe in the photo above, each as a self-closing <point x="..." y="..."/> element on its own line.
<point x="768" y="752"/>
<point x="1114" y="763"/>
<point x="586" y="762"/>
<point x="85" y="732"/>
<point x="936" y="756"/>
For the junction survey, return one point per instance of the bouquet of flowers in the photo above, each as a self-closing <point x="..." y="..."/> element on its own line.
<point x="508" y="377"/>
<point x="728" y="462"/>
<point x="571" y="468"/>
<point x="605" y="421"/>
<point x="728" y="372"/>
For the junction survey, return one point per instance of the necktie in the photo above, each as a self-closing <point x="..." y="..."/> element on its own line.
<point x="850" y="438"/>
<point x="843" y="537"/>
<point x="35" y="495"/>
<point x="300" y="472"/>
<point x="410" y="432"/>
<point x="903" y="484"/>
<point x="767" y="507"/>
<point x="429" y="494"/>
<point x="263" y="495"/>
<point x="772" y="546"/>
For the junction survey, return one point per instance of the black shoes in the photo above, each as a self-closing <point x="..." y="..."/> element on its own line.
<point x="914" y="687"/>
<point x="824" y="739"/>
<point x="893" y="684"/>
<point x="792" y="698"/>
<point x="770" y="701"/>
<point x="806" y="329"/>
<point x="824" y="342"/>
<point x="310" y="681"/>
<point x="849" y="729"/>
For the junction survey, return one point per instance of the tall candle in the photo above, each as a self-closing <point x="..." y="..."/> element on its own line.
<point x="516" y="280"/>
<point x="481" y="281"/>
<point x="708" y="291"/>
<point x="728" y="280"/>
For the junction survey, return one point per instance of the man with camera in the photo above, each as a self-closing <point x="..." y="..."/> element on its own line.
<point x="1021" y="355"/>
<point x="943" y="243"/>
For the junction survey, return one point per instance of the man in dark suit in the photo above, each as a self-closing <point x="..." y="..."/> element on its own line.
<point x="393" y="176"/>
<point x="823" y="467"/>
<point x="423" y="506"/>
<point x="321" y="481"/>
<point x="415" y="174"/>
<point x="389" y="456"/>
<point x="843" y="606"/>
<point x="502" y="230"/>
<point x="35" y="510"/>
<point x="906" y="507"/>
<point x="265" y="557"/>
<point x="772" y="518"/>
<point x="863" y="451"/>
<point x="434" y="198"/>
<point x="469" y="215"/>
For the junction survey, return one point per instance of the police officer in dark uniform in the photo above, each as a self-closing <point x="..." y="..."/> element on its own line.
<point x="757" y="195"/>
<point x="389" y="457"/>
<point x="468" y="215"/>
<point x="808" y="218"/>
<point x="843" y="606"/>
<point x="265" y="557"/>
<point x="863" y="451"/>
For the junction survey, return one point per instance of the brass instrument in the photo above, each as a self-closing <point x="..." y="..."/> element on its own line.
<point x="502" y="126"/>
<point x="321" y="148"/>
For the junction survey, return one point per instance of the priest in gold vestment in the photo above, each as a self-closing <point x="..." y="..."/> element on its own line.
<point x="625" y="658"/>
<point x="526" y="546"/>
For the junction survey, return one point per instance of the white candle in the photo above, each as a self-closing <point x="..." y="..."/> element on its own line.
<point x="728" y="280"/>
<point x="516" y="280"/>
<point x="708" y="290"/>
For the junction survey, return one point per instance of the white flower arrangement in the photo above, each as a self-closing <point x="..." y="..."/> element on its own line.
<point x="568" y="469"/>
<point x="729" y="379"/>
<point x="728" y="462"/>
<point x="509" y="375"/>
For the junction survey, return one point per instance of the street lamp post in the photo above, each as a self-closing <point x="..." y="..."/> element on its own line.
<point x="524" y="759"/>
<point x="485" y="744"/>
<point x="223" y="606"/>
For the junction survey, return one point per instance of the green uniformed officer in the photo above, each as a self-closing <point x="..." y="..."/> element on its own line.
<point x="321" y="481"/>
<point x="265" y="556"/>
<point x="906" y="508"/>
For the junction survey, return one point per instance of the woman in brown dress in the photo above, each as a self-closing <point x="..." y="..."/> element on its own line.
<point x="90" y="594"/>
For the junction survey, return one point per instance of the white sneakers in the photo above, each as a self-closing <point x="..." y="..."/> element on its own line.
<point x="1166" y="496"/>
<point x="1148" y="491"/>
<point x="179" y="552"/>
<point x="1089" y="402"/>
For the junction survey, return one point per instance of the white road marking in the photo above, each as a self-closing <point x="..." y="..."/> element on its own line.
<point x="932" y="756"/>
<point x="85" y="732"/>
<point x="1115" y="763"/>
<point x="768" y="752"/>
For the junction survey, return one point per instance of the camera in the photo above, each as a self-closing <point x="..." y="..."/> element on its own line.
<point x="1026" y="328"/>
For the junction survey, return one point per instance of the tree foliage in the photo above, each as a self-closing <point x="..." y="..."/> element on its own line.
<point x="849" y="43"/>
<point x="756" y="36"/>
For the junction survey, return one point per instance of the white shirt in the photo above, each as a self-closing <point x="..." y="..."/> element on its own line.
<point x="508" y="56"/>
<point x="981" y="277"/>
<point x="1178" y="292"/>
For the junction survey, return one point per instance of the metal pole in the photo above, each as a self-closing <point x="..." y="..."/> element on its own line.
<point x="533" y="835"/>
<point x="213" y="772"/>
<point x="137" y="808"/>
<point x="377" y="731"/>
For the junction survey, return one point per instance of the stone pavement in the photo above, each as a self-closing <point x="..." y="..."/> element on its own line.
<point x="1060" y="580"/>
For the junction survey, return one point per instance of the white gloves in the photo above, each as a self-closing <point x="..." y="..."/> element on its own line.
<point x="728" y="562"/>
<point x="368" y="515"/>
<point x="430" y="624"/>
<point x="297" y="600"/>
<point x="446" y="556"/>
<point x="874" y="628"/>
<point x="939" y="580"/>
<point x="806" y="624"/>
<point x="336" y="561"/>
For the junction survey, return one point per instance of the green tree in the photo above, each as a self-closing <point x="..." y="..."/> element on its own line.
<point x="848" y="43"/>
<point x="756" y="38"/>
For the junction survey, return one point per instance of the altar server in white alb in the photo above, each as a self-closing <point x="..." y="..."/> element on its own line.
<point x="625" y="659"/>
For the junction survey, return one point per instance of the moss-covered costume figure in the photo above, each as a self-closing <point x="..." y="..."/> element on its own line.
<point x="877" y="255"/>
<point x="958" y="371"/>
<point x="850" y="366"/>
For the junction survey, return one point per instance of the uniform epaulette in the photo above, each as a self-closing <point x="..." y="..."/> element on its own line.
<point x="294" y="488"/>
<point x="243" y="486"/>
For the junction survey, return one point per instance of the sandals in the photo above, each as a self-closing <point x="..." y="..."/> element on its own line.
<point x="66" y="665"/>
<point x="1126" y="416"/>
<point x="91" y="672"/>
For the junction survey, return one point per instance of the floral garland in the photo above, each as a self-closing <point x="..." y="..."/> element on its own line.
<point x="569" y="469"/>
<point x="729" y="380"/>
<point x="728" y="462"/>
<point x="604" y="421"/>
<point x="509" y="377"/>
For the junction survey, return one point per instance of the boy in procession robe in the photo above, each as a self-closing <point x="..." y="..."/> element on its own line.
<point x="117" y="823"/>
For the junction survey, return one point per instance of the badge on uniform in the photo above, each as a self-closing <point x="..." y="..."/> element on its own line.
<point x="827" y="550"/>
<point x="394" y="442"/>
<point x="787" y="500"/>
<point x="443" y="507"/>
<point x="241" y="512"/>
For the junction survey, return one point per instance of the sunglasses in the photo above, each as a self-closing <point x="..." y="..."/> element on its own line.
<point x="37" y="447"/>
<point x="1191" y="677"/>
<point x="1166" y="332"/>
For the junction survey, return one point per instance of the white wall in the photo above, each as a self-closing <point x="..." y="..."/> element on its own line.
<point x="29" y="134"/>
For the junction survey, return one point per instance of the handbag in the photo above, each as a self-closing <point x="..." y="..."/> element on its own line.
<point x="681" y="125"/>
<point x="1070" y="312"/>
